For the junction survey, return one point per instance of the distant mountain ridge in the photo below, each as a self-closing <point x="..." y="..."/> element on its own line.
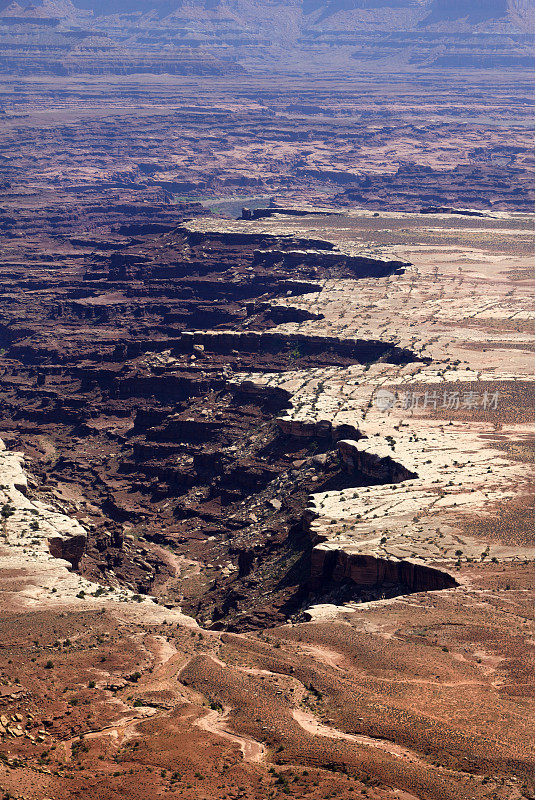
<point x="336" y="35"/>
<point x="427" y="12"/>
<point x="310" y="12"/>
<point x="255" y="14"/>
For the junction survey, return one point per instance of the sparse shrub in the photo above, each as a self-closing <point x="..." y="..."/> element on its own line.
<point x="317" y="694"/>
<point x="295" y="354"/>
<point x="79" y="747"/>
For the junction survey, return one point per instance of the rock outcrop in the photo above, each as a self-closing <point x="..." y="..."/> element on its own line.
<point x="23" y="518"/>
<point x="68" y="544"/>
<point x="331" y="568"/>
<point x="377" y="467"/>
<point x="332" y="261"/>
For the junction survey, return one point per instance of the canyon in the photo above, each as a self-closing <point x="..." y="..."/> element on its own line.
<point x="214" y="521"/>
<point x="267" y="417"/>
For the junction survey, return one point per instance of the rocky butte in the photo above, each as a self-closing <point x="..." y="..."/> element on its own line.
<point x="267" y="416"/>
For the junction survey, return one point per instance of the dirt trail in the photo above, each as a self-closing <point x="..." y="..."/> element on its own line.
<point x="214" y="722"/>
<point x="329" y="657"/>
<point x="123" y="729"/>
<point x="178" y="565"/>
<point x="333" y="659"/>
<point x="311" y="725"/>
<point x="163" y="651"/>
